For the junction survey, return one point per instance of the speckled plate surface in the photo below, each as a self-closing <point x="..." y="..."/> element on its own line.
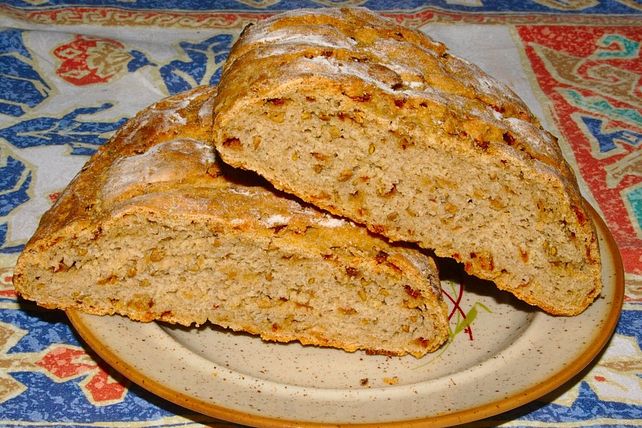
<point x="503" y="354"/>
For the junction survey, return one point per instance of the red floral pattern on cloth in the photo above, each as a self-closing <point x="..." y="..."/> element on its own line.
<point x="87" y="60"/>
<point x="592" y="78"/>
<point x="64" y="363"/>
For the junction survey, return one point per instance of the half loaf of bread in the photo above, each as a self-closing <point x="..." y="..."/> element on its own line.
<point x="380" y="124"/>
<point x="152" y="229"/>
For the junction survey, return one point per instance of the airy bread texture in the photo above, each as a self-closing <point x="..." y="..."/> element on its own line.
<point x="378" y="123"/>
<point x="155" y="229"/>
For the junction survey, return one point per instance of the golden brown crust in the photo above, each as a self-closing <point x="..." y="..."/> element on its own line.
<point x="363" y="53"/>
<point x="81" y="201"/>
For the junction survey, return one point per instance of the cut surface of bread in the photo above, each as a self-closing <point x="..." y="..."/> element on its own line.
<point x="154" y="228"/>
<point x="378" y="123"/>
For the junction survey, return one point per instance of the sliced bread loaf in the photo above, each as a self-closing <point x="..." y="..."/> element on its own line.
<point x="378" y="123"/>
<point x="153" y="228"/>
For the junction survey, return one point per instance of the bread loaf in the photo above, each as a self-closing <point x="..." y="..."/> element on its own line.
<point x="380" y="124"/>
<point x="153" y="229"/>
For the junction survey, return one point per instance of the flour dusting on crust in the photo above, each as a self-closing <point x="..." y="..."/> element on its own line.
<point x="156" y="165"/>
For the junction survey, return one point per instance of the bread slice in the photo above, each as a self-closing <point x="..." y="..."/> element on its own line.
<point x="378" y="123"/>
<point x="152" y="229"/>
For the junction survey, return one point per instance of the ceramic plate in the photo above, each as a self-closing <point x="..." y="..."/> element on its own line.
<point x="503" y="354"/>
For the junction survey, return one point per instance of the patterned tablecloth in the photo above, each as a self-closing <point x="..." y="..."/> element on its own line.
<point x="72" y="72"/>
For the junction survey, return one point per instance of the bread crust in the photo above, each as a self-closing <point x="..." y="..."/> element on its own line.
<point x="368" y="69"/>
<point x="161" y="170"/>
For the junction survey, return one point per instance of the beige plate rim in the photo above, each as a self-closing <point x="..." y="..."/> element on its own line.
<point x="568" y="371"/>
